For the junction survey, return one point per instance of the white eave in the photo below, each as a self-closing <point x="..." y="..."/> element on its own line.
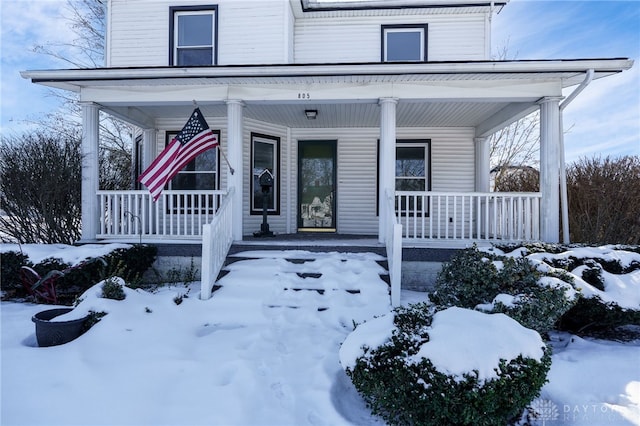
<point x="331" y="8"/>
<point x="569" y="72"/>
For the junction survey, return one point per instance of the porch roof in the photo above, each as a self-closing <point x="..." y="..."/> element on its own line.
<point x="569" y="72"/>
<point x="481" y="94"/>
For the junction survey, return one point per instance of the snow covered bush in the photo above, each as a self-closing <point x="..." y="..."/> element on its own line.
<point x="81" y="271"/>
<point x="535" y="297"/>
<point x="606" y="278"/>
<point x="113" y="289"/>
<point x="10" y="274"/>
<point x="456" y="366"/>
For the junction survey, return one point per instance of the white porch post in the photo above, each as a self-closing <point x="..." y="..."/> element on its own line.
<point x="482" y="151"/>
<point x="89" y="186"/>
<point x="148" y="147"/>
<point x="234" y="151"/>
<point x="387" y="160"/>
<point x="550" y="169"/>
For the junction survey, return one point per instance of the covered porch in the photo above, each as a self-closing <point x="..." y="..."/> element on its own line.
<point x="363" y="111"/>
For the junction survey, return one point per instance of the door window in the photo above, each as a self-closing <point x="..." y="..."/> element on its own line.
<point x="316" y="193"/>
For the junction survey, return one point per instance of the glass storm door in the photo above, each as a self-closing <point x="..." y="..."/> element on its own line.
<point x="317" y="186"/>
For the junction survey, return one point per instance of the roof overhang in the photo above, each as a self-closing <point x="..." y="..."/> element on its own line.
<point x="568" y="72"/>
<point x="368" y="7"/>
<point x="484" y="94"/>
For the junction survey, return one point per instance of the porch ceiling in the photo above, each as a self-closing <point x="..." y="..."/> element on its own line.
<point x="336" y="115"/>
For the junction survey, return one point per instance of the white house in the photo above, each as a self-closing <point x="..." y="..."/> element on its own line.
<point x="371" y="115"/>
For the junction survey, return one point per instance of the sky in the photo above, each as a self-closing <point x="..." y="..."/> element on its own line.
<point x="603" y="121"/>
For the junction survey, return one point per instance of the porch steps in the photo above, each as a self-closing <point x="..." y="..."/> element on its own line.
<point x="295" y="279"/>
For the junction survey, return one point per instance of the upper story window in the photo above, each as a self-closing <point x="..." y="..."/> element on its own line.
<point x="193" y="35"/>
<point x="402" y="43"/>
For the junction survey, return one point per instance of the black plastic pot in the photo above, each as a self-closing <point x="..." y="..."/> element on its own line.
<point x="52" y="333"/>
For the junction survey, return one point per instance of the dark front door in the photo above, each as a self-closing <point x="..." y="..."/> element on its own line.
<point x="317" y="186"/>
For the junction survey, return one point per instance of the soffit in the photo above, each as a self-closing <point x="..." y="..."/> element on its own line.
<point x="332" y="115"/>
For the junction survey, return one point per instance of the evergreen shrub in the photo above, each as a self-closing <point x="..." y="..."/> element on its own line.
<point x="404" y="392"/>
<point x="537" y="299"/>
<point x="129" y="263"/>
<point x="10" y="263"/>
<point x="112" y="289"/>
<point x="589" y="316"/>
<point x="593" y="317"/>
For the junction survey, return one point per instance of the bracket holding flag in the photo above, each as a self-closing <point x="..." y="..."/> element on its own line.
<point x="195" y="138"/>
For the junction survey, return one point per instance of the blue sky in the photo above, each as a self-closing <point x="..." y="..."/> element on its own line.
<point x="603" y="120"/>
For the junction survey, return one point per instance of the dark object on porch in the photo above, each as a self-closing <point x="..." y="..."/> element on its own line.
<point x="53" y="333"/>
<point x="266" y="183"/>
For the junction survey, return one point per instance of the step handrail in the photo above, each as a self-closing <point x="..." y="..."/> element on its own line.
<point x="393" y="242"/>
<point x="216" y="242"/>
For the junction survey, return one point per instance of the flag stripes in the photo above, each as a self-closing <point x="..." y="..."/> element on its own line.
<point x="194" y="139"/>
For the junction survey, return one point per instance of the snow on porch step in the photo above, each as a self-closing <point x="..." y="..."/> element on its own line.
<point x="298" y="279"/>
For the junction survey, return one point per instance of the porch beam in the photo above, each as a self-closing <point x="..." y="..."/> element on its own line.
<point x="482" y="152"/>
<point x="89" y="185"/>
<point x="131" y="115"/>
<point x="506" y="116"/>
<point x="387" y="160"/>
<point x="234" y="154"/>
<point x="550" y="169"/>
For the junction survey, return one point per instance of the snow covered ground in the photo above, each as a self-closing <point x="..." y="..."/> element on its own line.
<point x="239" y="359"/>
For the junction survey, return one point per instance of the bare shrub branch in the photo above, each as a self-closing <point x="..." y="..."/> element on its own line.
<point x="40" y="175"/>
<point x="604" y="200"/>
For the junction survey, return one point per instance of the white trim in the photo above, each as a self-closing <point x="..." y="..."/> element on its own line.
<point x="74" y="79"/>
<point x="409" y="29"/>
<point x="176" y="32"/>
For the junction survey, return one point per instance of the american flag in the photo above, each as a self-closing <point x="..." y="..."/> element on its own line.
<point x="194" y="139"/>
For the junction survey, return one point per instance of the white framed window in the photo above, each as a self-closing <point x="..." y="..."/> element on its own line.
<point x="413" y="169"/>
<point x="193" y="35"/>
<point x="404" y="43"/>
<point x="412" y="166"/>
<point x="201" y="173"/>
<point x="265" y="154"/>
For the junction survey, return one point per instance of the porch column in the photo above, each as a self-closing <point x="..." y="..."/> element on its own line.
<point x="234" y="153"/>
<point x="387" y="161"/>
<point x="549" y="169"/>
<point x="89" y="185"/>
<point x="482" y="151"/>
<point x="148" y="147"/>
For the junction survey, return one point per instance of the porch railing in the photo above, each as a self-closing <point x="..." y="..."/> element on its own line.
<point x="133" y="214"/>
<point x="393" y="239"/>
<point x="216" y="241"/>
<point x="505" y="216"/>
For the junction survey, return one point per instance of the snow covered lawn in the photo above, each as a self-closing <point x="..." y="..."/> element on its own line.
<point x="233" y="360"/>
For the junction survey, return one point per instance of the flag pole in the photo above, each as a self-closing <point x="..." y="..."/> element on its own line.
<point x="225" y="159"/>
<point x="195" y="104"/>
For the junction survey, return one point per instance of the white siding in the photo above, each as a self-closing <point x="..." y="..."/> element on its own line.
<point x="358" y="39"/>
<point x="452" y="168"/>
<point x="250" y="31"/>
<point x="452" y="163"/>
<point x="251" y="223"/>
<point x="266" y="32"/>
<point x="452" y="159"/>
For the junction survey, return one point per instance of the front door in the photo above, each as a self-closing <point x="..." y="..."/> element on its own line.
<point x="317" y="186"/>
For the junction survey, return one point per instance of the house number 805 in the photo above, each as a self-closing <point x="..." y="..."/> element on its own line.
<point x="304" y="95"/>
